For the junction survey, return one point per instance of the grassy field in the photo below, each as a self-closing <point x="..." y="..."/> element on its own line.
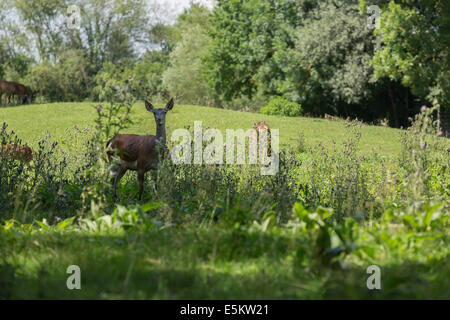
<point x="32" y="121"/>
<point x="309" y="232"/>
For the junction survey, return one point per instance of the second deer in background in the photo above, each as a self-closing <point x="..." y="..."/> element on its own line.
<point x="260" y="127"/>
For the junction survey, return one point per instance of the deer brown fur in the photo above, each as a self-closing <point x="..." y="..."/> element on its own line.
<point x="139" y="153"/>
<point x="262" y="126"/>
<point x="14" y="88"/>
<point x="22" y="153"/>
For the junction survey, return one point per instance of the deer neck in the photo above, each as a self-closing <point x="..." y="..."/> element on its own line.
<point x="161" y="133"/>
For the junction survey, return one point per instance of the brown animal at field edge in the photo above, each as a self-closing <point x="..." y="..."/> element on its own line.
<point x="22" y="153"/>
<point x="260" y="127"/>
<point x="139" y="153"/>
<point x="14" y="88"/>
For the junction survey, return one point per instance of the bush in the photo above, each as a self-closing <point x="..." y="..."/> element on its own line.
<point x="144" y="80"/>
<point x="68" y="79"/>
<point x="283" y="107"/>
<point x="187" y="59"/>
<point x="43" y="81"/>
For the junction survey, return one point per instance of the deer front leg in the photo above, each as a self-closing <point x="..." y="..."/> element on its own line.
<point x="141" y="175"/>
<point x="120" y="172"/>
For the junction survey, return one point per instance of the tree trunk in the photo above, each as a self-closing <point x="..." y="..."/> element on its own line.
<point x="394" y="107"/>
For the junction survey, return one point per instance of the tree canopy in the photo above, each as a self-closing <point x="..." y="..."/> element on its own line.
<point x="320" y="54"/>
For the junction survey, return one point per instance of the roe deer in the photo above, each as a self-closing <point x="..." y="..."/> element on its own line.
<point x="261" y="126"/>
<point x="4" y="89"/>
<point x="139" y="153"/>
<point x="17" y="152"/>
<point x="13" y="88"/>
<point x="22" y="92"/>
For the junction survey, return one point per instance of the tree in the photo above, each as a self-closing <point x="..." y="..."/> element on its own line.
<point x="415" y="50"/>
<point x="43" y="22"/>
<point x="186" y="74"/>
<point x="329" y="70"/>
<point x="317" y="53"/>
<point x="43" y="80"/>
<point x="73" y="71"/>
<point x="247" y="35"/>
<point x="109" y="29"/>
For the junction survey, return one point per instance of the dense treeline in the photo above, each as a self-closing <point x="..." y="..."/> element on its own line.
<point x="242" y="54"/>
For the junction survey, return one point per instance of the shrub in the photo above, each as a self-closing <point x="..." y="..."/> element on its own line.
<point x="424" y="159"/>
<point x="283" y="107"/>
<point x="186" y="59"/>
<point x="68" y="79"/>
<point x="43" y="81"/>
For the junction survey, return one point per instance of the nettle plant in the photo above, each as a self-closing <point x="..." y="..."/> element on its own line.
<point x="42" y="180"/>
<point x="338" y="178"/>
<point x="113" y="115"/>
<point x="12" y="172"/>
<point x="425" y="159"/>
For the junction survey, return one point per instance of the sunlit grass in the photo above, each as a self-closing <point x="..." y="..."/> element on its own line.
<point x="33" y="121"/>
<point x="179" y="251"/>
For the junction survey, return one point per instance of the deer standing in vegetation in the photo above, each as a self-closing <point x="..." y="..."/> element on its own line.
<point x="17" y="152"/>
<point x="22" y="93"/>
<point x="14" y="88"/>
<point x="4" y="89"/>
<point x="139" y="153"/>
<point x="262" y="126"/>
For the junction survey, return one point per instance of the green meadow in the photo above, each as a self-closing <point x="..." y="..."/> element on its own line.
<point x="33" y="121"/>
<point x="346" y="197"/>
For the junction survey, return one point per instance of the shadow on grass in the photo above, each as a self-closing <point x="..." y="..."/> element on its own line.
<point x="160" y="265"/>
<point x="406" y="280"/>
<point x="156" y="265"/>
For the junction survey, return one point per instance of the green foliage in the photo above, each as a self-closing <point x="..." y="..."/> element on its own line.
<point x="283" y="107"/>
<point x="43" y="79"/>
<point x="328" y="212"/>
<point x="187" y="59"/>
<point x="340" y="178"/>
<point x="329" y="69"/>
<point x="67" y="80"/>
<point x="74" y="75"/>
<point x="415" y="50"/>
<point x="310" y="251"/>
<point x="314" y="53"/>
<point x="110" y="31"/>
<point x="247" y="35"/>
<point x="148" y="75"/>
<point x="144" y="80"/>
<point x="127" y="219"/>
<point x="319" y="54"/>
<point x="426" y="166"/>
<point x="112" y="117"/>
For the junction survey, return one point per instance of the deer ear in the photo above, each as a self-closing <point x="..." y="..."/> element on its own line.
<point x="169" y="105"/>
<point x="149" y="106"/>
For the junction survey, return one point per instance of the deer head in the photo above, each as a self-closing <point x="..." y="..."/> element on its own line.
<point x="160" y="117"/>
<point x="160" y="114"/>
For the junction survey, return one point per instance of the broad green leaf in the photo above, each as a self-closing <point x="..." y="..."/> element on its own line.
<point x="42" y="225"/>
<point x="65" y="223"/>
<point x="9" y="224"/>
<point x="152" y="206"/>
<point x="410" y="221"/>
<point x="430" y="214"/>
